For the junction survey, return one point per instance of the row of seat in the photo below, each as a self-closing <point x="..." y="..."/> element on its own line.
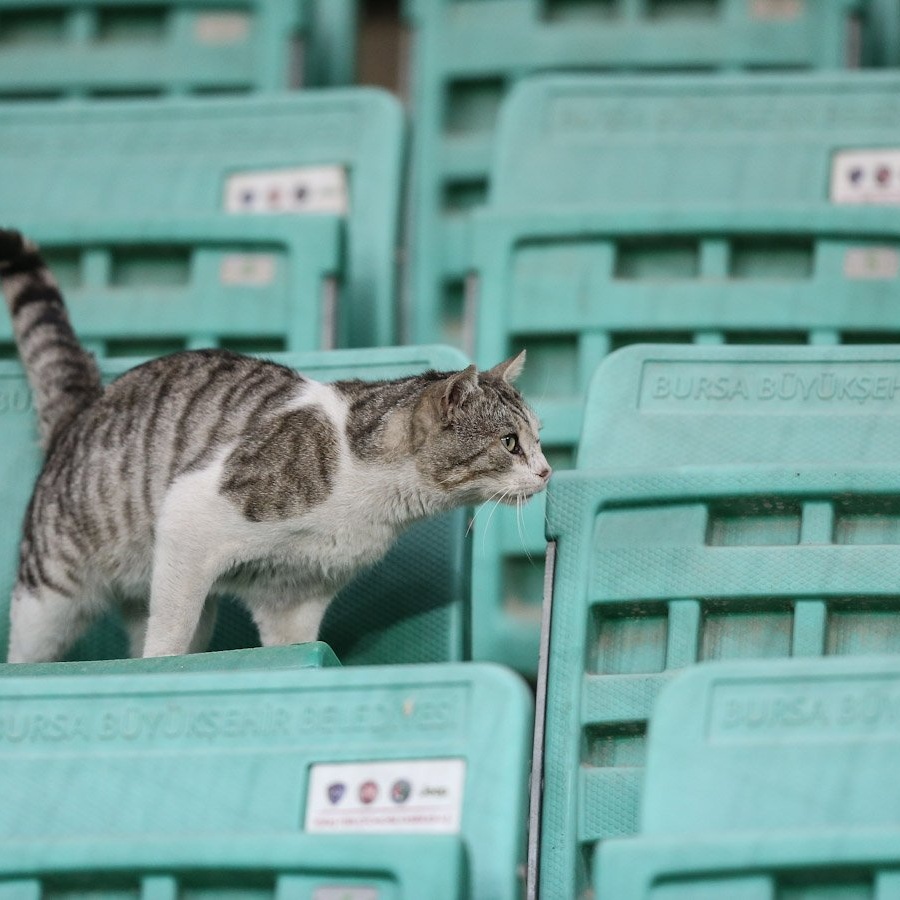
<point x="729" y="503"/>
<point x="737" y="227"/>
<point x="468" y="56"/>
<point x="725" y="502"/>
<point x="102" y="49"/>
<point x="262" y="774"/>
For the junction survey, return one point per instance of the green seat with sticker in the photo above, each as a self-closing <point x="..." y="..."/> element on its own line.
<point x="729" y="503"/>
<point x="412" y="607"/>
<point x="766" y="780"/>
<point x="467" y="56"/>
<point x="737" y="210"/>
<point x="334" y="784"/>
<point x="119" y="190"/>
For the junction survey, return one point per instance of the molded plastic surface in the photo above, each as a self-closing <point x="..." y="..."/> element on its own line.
<point x="778" y="536"/>
<point x="119" y="48"/>
<point x="165" y="774"/>
<point x="80" y="48"/>
<point x="412" y="607"/>
<point x="139" y="289"/>
<point x="658" y="406"/>
<point x="767" y="778"/>
<point x="754" y="865"/>
<point x="314" y="655"/>
<point x="883" y="40"/>
<point x="72" y="170"/>
<point x="672" y="210"/>
<point x="329" y="57"/>
<point x="657" y="571"/>
<point x="301" y="866"/>
<point x="467" y="55"/>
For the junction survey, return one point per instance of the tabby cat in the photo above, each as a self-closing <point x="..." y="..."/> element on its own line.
<point x="208" y="472"/>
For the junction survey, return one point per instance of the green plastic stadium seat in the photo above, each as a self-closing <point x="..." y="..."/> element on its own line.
<point x="335" y="867"/>
<point x="670" y="210"/>
<point x="466" y="56"/>
<point x="767" y="781"/>
<point x="413" y="607"/>
<point x="333" y="783"/>
<point x="750" y="508"/>
<point x="154" y="48"/>
<point x="142" y="289"/>
<point x="70" y="171"/>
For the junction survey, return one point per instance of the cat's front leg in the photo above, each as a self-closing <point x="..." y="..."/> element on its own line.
<point x="290" y="623"/>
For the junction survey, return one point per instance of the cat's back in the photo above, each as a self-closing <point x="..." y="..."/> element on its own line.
<point x="173" y="414"/>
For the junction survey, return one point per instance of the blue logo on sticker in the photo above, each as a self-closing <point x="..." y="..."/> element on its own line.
<point x="336" y="791"/>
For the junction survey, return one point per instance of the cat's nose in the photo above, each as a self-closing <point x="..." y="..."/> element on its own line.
<point x="545" y="473"/>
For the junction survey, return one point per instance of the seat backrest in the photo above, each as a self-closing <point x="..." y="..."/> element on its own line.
<point x="120" y="48"/>
<point x="775" y="745"/>
<point x="672" y="210"/>
<point x="72" y="170"/>
<point x="766" y="780"/>
<point x="655" y="406"/>
<point x="293" y="781"/>
<point x="413" y="607"/>
<point x="781" y="540"/>
<point x="78" y="48"/>
<point x="467" y="55"/>
<point x="257" y="285"/>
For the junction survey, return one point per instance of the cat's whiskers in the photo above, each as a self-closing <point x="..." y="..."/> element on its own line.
<point x="497" y="503"/>
<point x="477" y="511"/>
<point x="520" y="522"/>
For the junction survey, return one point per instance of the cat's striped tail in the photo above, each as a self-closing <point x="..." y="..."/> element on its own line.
<point x="64" y="377"/>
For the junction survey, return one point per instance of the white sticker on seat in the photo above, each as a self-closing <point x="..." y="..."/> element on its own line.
<point x="866" y="177"/>
<point x="399" y="796"/>
<point x="297" y="191"/>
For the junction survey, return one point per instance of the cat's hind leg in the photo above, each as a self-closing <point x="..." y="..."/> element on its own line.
<point x="181" y="584"/>
<point x="44" y="623"/>
<point x="290" y="623"/>
<point x="135" y="620"/>
<point x="197" y="536"/>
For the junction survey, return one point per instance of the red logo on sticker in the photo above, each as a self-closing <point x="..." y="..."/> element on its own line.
<point x="368" y="792"/>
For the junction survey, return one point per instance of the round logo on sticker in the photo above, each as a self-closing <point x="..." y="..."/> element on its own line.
<point x="335" y="792"/>
<point x="400" y="790"/>
<point x="368" y="792"/>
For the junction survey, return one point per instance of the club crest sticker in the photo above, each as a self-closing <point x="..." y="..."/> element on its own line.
<point x="401" y="796"/>
<point x="400" y="790"/>
<point x="368" y="792"/>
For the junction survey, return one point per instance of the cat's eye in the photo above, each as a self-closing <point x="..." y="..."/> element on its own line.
<point x="511" y="442"/>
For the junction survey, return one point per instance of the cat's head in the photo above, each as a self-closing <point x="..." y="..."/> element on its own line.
<point x="478" y="439"/>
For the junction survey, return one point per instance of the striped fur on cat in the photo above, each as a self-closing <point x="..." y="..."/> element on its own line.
<point x="207" y="472"/>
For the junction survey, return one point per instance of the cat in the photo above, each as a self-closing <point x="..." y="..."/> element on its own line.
<point x="208" y="472"/>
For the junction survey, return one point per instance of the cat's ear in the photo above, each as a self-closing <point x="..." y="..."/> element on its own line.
<point x="510" y="369"/>
<point x="454" y="391"/>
